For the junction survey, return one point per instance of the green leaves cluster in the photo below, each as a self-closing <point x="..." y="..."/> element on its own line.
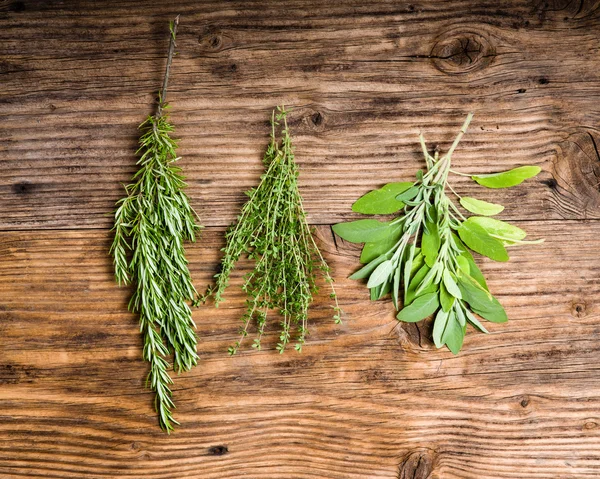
<point x="152" y="222"/>
<point x="422" y="257"/>
<point x="272" y="230"/>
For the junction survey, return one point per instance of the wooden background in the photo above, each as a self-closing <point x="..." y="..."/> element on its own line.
<point x="370" y="398"/>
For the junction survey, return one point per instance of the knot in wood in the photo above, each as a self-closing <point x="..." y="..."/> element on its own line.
<point x="212" y="38"/>
<point x="462" y="52"/>
<point x="417" y="465"/>
<point x="576" y="170"/>
<point x="578" y="310"/>
<point x="315" y="120"/>
<point x="218" y="450"/>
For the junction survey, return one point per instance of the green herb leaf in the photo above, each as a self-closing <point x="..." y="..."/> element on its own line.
<point x="439" y="326"/>
<point x="382" y="201"/>
<point x="478" y="239"/>
<point x="446" y="299"/>
<point x="450" y="284"/>
<point x="498" y="228"/>
<point x="475" y="272"/>
<point x="430" y="243"/>
<point x="480" y="207"/>
<point x="366" y="270"/>
<point x="422" y="307"/>
<point x="509" y="178"/>
<point x="370" y="251"/>
<point x="480" y="300"/>
<point x="381" y="274"/>
<point x="475" y="322"/>
<point x="408" y="195"/>
<point x="363" y="231"/>
<point x="454" y="334"/>
<point x="415" y="282"/>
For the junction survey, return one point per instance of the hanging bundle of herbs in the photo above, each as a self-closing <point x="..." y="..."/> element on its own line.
<point x="152" y="222"/>
<point x="423" y="255"/>
<point x="273" y="231"/>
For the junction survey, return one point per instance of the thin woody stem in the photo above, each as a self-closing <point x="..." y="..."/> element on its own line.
<point x="162" y="101"/>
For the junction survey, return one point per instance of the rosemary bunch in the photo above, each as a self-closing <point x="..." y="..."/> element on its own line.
<point x="153" y="221"/>
<point x="423" y="254"/>
<point x="272" y="229"/>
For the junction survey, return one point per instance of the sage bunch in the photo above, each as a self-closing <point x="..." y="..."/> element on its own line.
<point x="422" y="257"/>
<point x="151" y="224"/>
<point x="273" y="231"/>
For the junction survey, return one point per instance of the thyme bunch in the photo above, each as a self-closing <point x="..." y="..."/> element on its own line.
<point x="273" y="231"/>
<point x="423" y="254"/>
<point x="153" y="221"/>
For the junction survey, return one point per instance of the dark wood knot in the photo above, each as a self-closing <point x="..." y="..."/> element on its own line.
<point x="23" y="188"/>
<point x="218" y="450"/>
<point x="462" y="52"/>
<point x="315" y="120"/>
<point x="576" y="171"/>
<point x="212" y="38"/>
<point x="417" y="465"/>
<point x="578" y="310"/>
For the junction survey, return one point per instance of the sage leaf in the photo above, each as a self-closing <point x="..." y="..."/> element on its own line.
<point x="430" y="243"/>
<point x="382" y="201"/>
<point x="475" y="322"/>
<point x="375" y="292"/>
<point x="366" y="270"/>
<point x="480" y="207"/>
<point x="476" y="273"/>
<point x="463" y="263"/>
<point x="460" y="316"/>
<point x="363" y="231"/>
<point x="408" y="195"/>
<point x="441" y="319"/>
<point x="478" y="239"/>
<point x="509" y="178"/>
<point x="420" y="308"/>
<point x="451" y="285"/>
<point x="381" y="274"/>
<point x="480" y="300"/>
<point x="498" y="228"/>
<point x="371" y="250"/>
<point x="384" y="289"/>
<point x="446" y="299"/>
<point x="409" y="295"/>
<point x="454" y="334"/>
<point x="408" y="266"/>
<point x="396" y="285"/>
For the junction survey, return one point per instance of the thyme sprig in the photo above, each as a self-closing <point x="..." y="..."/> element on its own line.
<point x="272" y="229"/>
<point x="153" y="221"/>
<point x="424" y="253"/>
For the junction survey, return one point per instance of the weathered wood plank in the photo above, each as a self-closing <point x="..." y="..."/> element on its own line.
<point x="363" y="79"/>
<point x="365" y="399"/>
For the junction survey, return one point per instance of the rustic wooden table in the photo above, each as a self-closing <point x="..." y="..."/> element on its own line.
<point x="367" y="399"/>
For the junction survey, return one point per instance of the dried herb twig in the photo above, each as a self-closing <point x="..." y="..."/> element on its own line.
<point x="272" y="229"/>
<point x="153" y="221"/>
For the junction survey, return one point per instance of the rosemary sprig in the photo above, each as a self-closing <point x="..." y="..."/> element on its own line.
<point x="272" y="229"/>
<point x="153" y="221"/>
<point x="426" y="249"/>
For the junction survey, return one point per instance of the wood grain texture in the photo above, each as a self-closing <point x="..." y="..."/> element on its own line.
<point x="365" y="399"/>
<point x="363" y="80"/>
<point x="369" y="398"/>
